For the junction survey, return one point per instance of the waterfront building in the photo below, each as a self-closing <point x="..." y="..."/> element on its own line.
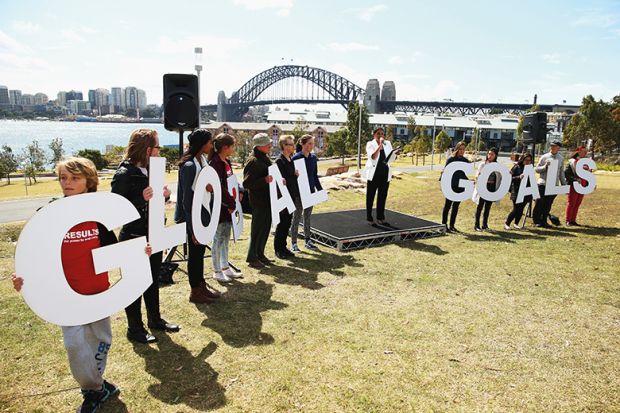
<point x="74" y="95"/>
<point x="131" y="97"/>
<point x="40" y="99"/>
<point x="27" y="99"/>
<point x="78" y="107"/>
<point x="141" y="102"/>
<point x="91" y="98"/>
<point x="15" y="97"/>
<point x="61" y="99"/>
<point x="102" y="101"/>
<point x="4" y="96"/>
<point x="117" y="100"/>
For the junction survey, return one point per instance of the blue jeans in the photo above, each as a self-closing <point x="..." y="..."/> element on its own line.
<point x="219" y="249"/>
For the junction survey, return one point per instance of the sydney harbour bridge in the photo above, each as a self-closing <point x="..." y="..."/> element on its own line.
<point x="311" y="85"/>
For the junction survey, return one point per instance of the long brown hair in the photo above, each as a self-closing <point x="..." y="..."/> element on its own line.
<point x="458" y="146"/>
<point x="221" y="140"/>
<point x="139" y="141"/>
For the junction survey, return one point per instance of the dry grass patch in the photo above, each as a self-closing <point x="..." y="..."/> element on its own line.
<point x="498" y="321"/>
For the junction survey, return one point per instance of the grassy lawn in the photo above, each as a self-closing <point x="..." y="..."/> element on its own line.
<point x="49" y="187"/>
<point x="496" y="321"/>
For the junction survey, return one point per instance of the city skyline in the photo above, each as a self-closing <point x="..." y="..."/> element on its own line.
<point x="560" y="51"/>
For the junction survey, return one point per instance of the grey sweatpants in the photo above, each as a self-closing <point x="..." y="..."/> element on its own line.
<point x="87" y="349"/>
<point x="307" y="213"/>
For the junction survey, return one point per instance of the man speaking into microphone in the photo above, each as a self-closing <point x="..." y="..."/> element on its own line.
<point x="378" y="174"/>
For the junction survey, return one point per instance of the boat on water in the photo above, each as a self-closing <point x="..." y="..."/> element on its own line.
<point x="85" y="119"/>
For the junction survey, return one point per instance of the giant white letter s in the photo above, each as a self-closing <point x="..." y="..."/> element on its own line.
<point x="38" y="260"/>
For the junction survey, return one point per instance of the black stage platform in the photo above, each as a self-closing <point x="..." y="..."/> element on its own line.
<point x="349" y="230"/>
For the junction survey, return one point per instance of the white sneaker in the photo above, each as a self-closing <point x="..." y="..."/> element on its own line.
<point x="507" y="227"/>
<point x="221" y="277"/>
<point x="230" y="273"/>
<point x="295" y="248"/>
<point x="515" y="226"/>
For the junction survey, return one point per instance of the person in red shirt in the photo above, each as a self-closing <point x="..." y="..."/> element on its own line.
<point x="87" y="345"/>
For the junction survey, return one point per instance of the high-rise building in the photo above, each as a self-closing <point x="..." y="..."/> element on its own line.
<point x="74" y="95"/>
<point x="117" y="100"/>
<point x="141" y="99"/>
<point x="61" y="99"/>
<point x="77" y="107"/>
<point x="27" y="99"/>
<point x="102" y="103"/>
<point x="15" y="97"/>
<point x="40" y="99"/>
<point x="131" y="97"/>
<point x="91" y="97"/>
<point x="4" y="96"/>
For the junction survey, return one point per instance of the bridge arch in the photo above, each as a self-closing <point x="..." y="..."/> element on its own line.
<point x="338" y="88"/>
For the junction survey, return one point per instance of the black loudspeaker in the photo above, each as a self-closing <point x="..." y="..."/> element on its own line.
<point x="181" y="102"/>
<point x="535" y="127"/>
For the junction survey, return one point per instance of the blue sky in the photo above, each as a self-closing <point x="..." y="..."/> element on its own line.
<point x="486" y="51"/>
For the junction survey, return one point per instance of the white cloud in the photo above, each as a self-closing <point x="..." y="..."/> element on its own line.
<point x="415" y="56"/>
<point x="553" y="58"/>
<point x="283" y="7"/>
<point x="368" y="13"/>
<point x="213" y="47"/>
<point x="9" y="44"/>
<point x="25" y="27"/>
<point x="351" y="47"/>
<point x="72" y="36"/>
<point x="596" y="18"/>
<point x="395" y="60"/>
<point x="87" y="30"/>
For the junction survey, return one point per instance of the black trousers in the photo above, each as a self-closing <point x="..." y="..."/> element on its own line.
<point x="195" y="263"/>
<point x="151" y="298"/>
<point x="542" y="208"/>
<point x="517" y="210"/>
<point x="382" y="186"/>
<point x="446" y="209"/>
<point x="486" y="205"/>
<point x="279" y="241"/>
<point x="259" y="232"/>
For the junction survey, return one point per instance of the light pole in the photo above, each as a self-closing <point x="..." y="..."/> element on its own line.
<point x="360" y="101"/>
<point x="198" y="67"/>
<point x="433" y="141"/>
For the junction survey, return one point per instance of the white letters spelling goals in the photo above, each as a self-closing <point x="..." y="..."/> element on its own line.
<point x="528" y="183"/>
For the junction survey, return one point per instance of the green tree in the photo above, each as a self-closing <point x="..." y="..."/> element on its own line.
<point x="35" y="159"/>
<point x="353" y="125"/>
<point x="58" y="152"/>
<point x="94" y="155"/>
<point x="389" y="133"/>
<point x="243" y="147"/>
<point x="411" y="125"/>
<point x="338" y="143"/>
<point x="8" y="162"/>
<point x="301" y="128"/>
<point x="114" y="156"/>
<point x="595" y="121"/>
<point x="171" y="155"/>
<point x="442" y="141"/>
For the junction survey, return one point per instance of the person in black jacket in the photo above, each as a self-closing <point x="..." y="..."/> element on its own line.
<point x="289" y="174"/>
<point x="517" y="176"/>
<point x="190" y="165"/>
<point x="457" y="156"/>
<point x="131" y="181"/>
<point x="256" y="181"/>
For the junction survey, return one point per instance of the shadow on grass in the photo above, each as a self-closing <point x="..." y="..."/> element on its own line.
<point x="115" y="405"/>
<point x="422" y="247"/>
<point x="184" y="379"/>
<point x="304" y="268"/>
<point x="236" y="316"/>
<point x="505" y="236"/>
<point x="590" y="230"/>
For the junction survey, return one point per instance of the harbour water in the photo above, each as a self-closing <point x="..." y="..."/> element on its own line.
<point x="76" y="135"/>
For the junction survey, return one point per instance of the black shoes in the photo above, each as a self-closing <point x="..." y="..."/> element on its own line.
<point x="141" y="336"/>
<point x="284" y="254"/>
<point x="163" y="325"/>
